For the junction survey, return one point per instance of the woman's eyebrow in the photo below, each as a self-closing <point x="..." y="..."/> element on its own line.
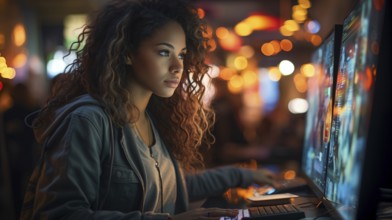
<point x="168" y="45"/>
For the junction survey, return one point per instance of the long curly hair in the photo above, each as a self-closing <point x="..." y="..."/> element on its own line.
<point x="100" y="70"/>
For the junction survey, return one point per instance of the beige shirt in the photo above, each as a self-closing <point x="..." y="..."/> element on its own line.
<point x="157" y="153"/>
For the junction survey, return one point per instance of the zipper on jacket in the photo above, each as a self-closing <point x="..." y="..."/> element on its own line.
<point x="160" y="178"/>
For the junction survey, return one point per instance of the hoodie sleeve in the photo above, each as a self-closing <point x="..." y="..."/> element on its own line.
<point x="68" y="187"/>
<point x="216" y="181"/>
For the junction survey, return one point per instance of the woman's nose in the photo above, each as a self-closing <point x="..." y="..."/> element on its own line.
<point x="177" y="65"/>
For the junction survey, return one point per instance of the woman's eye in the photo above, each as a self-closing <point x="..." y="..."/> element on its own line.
<point x="181" y="56"/>
<point x="164" y="53"/>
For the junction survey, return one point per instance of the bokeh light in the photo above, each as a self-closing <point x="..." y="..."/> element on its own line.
<point x="308" y="70"/>
<point x="240" y="63"/>
<point x="274" y="74"/>
<point x="298" y="106"/>
<point x="236" y="83"/>
<point x="286" y="45"/>
<point x="267" y="49"/>
<point x="19" y="35"/>
<point x="286" y="67"/>
<point x="243" y="29"/>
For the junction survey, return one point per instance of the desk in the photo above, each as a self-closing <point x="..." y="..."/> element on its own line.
<point x="307" y="202"/>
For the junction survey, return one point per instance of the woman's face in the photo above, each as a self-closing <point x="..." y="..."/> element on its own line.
<point x="158" y="63"/>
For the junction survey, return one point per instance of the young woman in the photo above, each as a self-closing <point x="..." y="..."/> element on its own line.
<point x="126" y="119"/>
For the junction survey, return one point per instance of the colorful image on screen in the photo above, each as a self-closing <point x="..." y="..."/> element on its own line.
<point x="319" y="116"/>
<point x="352" y="106"/>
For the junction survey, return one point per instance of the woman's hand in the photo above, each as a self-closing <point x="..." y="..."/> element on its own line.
<point x="264" y="176"/>
<point x="205" y="213"/>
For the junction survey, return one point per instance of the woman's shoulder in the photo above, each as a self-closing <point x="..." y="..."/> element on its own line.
<point x="82" y="112"/>
<point x="84" y="106"/>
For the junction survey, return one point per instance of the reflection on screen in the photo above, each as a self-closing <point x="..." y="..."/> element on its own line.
<point x="353" y="101"/>
<point x="319" y="116"/>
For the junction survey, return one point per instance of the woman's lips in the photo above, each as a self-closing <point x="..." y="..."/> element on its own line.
<point x="172" y="83"/>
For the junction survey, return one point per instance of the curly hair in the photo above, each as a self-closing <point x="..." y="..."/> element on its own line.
<point x="100" y="70"/>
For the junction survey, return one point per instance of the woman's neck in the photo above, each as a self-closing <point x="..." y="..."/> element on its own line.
<point x="143" y="129"/>
<point x="141" y="97"/>
<point x="142" y="125"/>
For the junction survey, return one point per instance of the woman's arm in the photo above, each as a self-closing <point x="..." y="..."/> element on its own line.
<point x="216" y="181"/>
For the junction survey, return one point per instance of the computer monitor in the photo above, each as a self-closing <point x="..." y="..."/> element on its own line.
<point x="350" y="151"/>
<point x="319" y="116"/>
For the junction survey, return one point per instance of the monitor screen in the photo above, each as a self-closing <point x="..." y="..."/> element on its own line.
<point x="319" y="115"/>
<point x="352" y="106"/>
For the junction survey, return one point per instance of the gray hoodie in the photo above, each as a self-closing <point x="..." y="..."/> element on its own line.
<point x="91" y="169"/>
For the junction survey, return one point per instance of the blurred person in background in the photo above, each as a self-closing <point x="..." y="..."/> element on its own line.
<point x="231" y="145"/>
<point x="122" y="128"/>
<point x="6" y="197"/>
<point x="20" y="144"/>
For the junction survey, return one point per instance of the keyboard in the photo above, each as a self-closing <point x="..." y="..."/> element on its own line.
<point x="277" y="212"/>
